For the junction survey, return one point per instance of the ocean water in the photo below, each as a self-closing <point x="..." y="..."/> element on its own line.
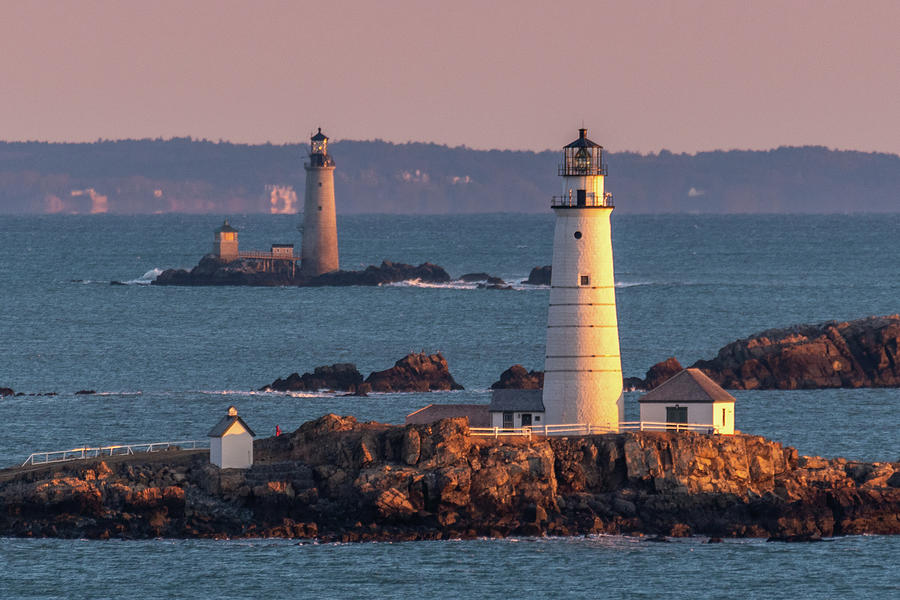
<point x="166" y="362"/>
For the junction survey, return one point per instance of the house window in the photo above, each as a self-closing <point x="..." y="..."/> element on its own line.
<point x="507" y="420"/>
<point x="537" y="418"/>
<point x="723" y="417"/>
<point x="526" y="420"/>
<point x="585" y="280"/>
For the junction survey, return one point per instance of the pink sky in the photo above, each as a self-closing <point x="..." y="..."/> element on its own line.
<point x="686" y="76"/>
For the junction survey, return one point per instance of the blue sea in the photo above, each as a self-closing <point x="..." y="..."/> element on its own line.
<point x="167" y="361"/>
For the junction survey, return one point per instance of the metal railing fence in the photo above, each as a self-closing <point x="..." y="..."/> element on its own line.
<point x="39" y="458"/>
<point x="589" y="429"/>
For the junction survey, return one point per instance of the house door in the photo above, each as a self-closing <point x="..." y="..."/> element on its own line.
<point x="526" y="420"/>
<point x="675" y="415"/>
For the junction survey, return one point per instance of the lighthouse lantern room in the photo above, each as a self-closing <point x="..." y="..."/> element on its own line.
<point x="582" y="369"/>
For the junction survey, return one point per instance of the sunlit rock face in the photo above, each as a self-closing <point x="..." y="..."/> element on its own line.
<point x="337" y="479"/>
<point x="860" y="353"/>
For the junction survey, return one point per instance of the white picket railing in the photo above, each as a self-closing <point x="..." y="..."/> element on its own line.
<point x="39" y="458"/>
<point x="589" y="429"/>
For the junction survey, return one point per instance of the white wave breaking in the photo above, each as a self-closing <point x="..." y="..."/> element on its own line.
<point x="519" y="285"/>
<point x="145" y="279"/>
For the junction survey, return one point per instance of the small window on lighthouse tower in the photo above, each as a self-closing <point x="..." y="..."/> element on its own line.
<point x="585" y="280"/>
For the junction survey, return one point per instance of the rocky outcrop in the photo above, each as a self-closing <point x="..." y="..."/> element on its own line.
<point x="243" y="271"/>
<point x="337" y="479"/>
<point x="387" y="272"/>
<point x="416" y="372"/>
<point x="633" y="384"/>
<point x="517" y="378"/>
<point x="252" y="272"/>
<point x="661" y="371"/>
<point x="5" y="391"/>
<point x="484" y="278"/>
<point x="339" y="376"/>
<point x="851" y="354"/>
<point x="539" y="275"/>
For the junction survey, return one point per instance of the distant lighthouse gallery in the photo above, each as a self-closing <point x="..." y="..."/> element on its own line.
<point x="583" y="369"/>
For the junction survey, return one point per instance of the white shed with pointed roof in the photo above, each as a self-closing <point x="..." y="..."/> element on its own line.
<point x="231" y="442"/>
<point x="690" y="397"/>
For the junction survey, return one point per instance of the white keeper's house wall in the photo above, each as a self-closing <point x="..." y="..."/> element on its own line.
<point x="719" y="414"/>
<point x="537" y="419"/>
<point x="690" y="390"/>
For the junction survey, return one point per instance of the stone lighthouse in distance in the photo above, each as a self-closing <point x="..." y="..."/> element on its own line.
<point x="583" y="370"/>
<point x="319" y="252"/>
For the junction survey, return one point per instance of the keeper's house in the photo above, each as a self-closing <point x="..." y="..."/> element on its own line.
<point x="231" y="442"/>
<point x="516" y="408"/>
<point x="689" y="397"/>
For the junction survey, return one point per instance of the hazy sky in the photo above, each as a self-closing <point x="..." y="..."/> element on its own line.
<point x="515" y="74"/>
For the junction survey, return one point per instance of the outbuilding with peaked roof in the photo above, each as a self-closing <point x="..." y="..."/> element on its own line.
<point x="231" y="442"/>
<point x="689" y="397"/>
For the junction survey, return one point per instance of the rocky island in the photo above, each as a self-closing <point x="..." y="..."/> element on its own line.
<point x="848" y="354"/>
<point x="335" y="479"/>
<point x="247" y="271"/>
<point x="415" y="372"/>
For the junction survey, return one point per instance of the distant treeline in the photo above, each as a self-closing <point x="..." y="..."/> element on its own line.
<point x="199" y="176"/>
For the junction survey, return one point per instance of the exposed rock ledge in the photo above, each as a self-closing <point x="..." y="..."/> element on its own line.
<point x="337" y="479"/>
<point x="850" y="354"/>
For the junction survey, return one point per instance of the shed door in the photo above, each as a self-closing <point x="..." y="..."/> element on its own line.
<point x="676" y="414"/>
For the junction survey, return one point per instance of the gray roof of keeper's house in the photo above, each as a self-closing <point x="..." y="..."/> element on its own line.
<point x="227" y="421"/>
<point x="689" y="385"/>
<point x="516" y="401"/>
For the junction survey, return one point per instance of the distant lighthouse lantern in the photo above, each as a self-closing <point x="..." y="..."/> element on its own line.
<point x="319" y="143"/>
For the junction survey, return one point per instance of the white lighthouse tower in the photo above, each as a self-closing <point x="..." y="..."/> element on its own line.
<point x="319" y="252"/>
<point x="583" y="370"/>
